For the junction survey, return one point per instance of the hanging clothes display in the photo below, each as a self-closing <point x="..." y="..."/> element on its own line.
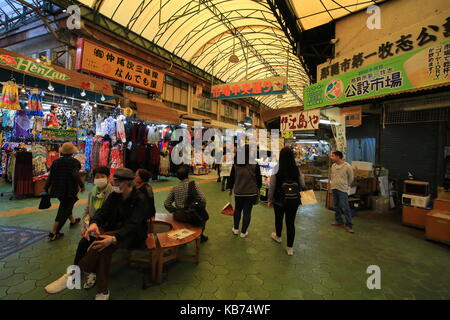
<point x="51" y="119"/>
<point x="116" y="158"/>
<point x="120" y="128"/>
<point x="61" y="116"/>
<point x="111" y="126"/>
<point x="10" y="96"/>
<point x="35" y="100"/>
<point x="86" y="117"/>
<point x="164" y="165"/>
<point x="21" y="125"/>
<point x="39" y="153"/>
<point x="87" y="152"/>
<point x="23" y="173"/>
<point x="51" y="156"/>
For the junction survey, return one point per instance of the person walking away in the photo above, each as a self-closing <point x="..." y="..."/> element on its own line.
<point x="102" y="189"/>
<point x="225" y="171"/>
<point x="246" y="181"/>
<point x="63" y="183"/>
<point x="141" y="181"/>
<point x="341" y="179"/>
<point x="284" y="195"/>
<point x="120" y="223"/>
<point x="177" y="197"/>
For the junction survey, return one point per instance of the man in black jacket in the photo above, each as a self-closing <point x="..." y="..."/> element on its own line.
<point x="121" y="223"/>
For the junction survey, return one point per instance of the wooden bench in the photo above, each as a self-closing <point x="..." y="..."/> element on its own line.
<point x="159" y="244"/>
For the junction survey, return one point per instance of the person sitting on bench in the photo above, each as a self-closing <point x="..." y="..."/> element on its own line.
<point x="121" y="223"/>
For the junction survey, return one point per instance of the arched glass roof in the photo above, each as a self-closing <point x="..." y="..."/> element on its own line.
<point x="313" y="13"/>
<point x="207" y="32"/>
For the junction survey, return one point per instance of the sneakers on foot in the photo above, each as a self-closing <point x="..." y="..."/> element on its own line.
<point x="274" y="237"/>
<point x="77" y="221"/>
<point x="90" y="282"/>
<point x="349" y="230"/>
<point x="235" y="231"/>
<point x="337" y="224"/>
<point x="102" y="296"/>
<point x="289" y="251"/>
<point x="57" y="285"/>
<point x="243" y="235"/>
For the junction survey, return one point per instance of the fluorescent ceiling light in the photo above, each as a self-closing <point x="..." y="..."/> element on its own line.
<point x="308" y="141"/>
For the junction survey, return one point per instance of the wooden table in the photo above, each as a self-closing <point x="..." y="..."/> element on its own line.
<point x="164" y="243"/>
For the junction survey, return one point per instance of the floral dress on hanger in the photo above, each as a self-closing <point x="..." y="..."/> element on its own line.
<point x="86" y="117"/>
<point x="35" y="101"/>
<point x="10" y="96"/>
<point x="61" y="115"/>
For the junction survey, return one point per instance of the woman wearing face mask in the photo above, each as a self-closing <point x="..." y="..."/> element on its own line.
<point x="102" y="189"/>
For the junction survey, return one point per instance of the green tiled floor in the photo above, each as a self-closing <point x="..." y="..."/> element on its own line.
<point x="328" y="262"/>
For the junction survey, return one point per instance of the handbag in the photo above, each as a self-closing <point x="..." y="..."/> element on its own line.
<point x="308" y="197"/>
<point x="228" y="209"/>
<point x="45" y="202"/>
<point x="194" y="212"/>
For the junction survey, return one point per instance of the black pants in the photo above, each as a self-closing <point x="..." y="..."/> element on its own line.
<point x="82" y="248"/>
<point x="245" y="205"/>
<point x="64" y="210"/>
<point x="290" y="213"/>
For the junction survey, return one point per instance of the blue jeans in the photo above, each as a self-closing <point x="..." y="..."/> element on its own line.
<point x="341" y="207"/>
<point x="243" y="204"/>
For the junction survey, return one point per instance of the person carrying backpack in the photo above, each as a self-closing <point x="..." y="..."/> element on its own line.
<point x="284" y="195"/>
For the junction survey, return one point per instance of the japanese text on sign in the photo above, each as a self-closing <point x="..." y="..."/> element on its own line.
<point x="111" y="64"/>
<point x="428" y="34"/>
<point x="249" y="88"/>
<point x="304" y="120"/>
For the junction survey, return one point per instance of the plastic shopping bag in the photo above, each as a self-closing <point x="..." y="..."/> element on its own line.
<point x="308" y="197"/>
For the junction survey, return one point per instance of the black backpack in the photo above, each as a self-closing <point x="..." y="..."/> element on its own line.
<point x="290" y="193"/>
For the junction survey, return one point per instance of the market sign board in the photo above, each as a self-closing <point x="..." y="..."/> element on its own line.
<point x="54" y="134"/>
<point x="304" y="120"/>
<point x="429" y="31"/>
<point x="417" y="69"/>
<point x="105" y="62"/>
<point x="33" y="68"/>
<point x="249" y="88"/>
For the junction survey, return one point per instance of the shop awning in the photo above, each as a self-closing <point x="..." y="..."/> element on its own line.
<point x="224" y="125"/>
<point x="18" y="63"/>
<point x="154" y="110"/>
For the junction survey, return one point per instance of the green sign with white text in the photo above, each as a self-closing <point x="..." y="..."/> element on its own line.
<point x="417" y="69"/>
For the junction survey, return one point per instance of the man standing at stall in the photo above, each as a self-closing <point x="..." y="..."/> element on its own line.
<point x="341" y="179"/>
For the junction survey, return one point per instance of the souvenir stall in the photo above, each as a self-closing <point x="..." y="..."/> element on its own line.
<point x="33" y="126"/>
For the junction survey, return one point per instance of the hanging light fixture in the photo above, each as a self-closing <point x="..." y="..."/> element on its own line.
<point x="65" y="101"/>
<point x="23" y="90"/>
<point x="233" y="58"/>
<point x="50" y="87"/>
<point x="83" y="93"/>
<point x="95" y="105"/>
<point x="102" y="98"/>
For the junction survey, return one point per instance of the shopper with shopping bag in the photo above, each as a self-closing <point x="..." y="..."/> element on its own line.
<point x="284" y="195"/>
<point x="245" y="180"/>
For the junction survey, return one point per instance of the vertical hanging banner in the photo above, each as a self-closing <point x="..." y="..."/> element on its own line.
<point x="100" y="60"/>
<point x="249" y="88"/>
<point x="304" y="120"/>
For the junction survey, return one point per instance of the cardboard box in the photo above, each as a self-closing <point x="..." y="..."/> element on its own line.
<point x="438" y="226"/>
<point x="380" y="204"/>
<point x="362" y="173"/>
<point x="415" y="217"/>
<point x="362" y="165"/>
<point x="443" y="195"/>
<point x="38" y="187"/>
<point x="441" y="205"/>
